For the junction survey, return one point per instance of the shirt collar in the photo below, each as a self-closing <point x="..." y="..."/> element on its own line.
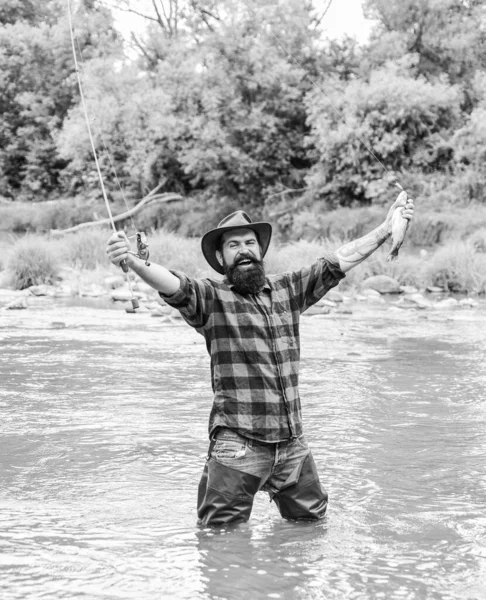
<point x="267" y="287"/>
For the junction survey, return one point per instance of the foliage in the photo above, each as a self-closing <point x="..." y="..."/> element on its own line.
<point x="28" y="11"/>
<point x="32" y="260"/>
<point x="469" y="145"/>
<point x="232" y="104"/>
<point x="403" y="120"/>
<point x="446" y="224"/>
<point x="443" y="34"/>
<point x="344" y="223"/>
<point x="179" y="253"/>
<point x="457" y="267"/>
<point x="224" y="118"/>
<point x="294" y="255"/>
<point x="84" y="249"/>
<point x="21" y="217"/>
<point x="37" y="90"/>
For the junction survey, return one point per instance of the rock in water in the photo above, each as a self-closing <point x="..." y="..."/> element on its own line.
<point x="382" y="284"/>
<point x="399" y="229"/>
<point x="16" y="304"/>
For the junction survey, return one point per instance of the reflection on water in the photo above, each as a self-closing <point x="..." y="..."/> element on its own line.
<point x="103" y="440"/>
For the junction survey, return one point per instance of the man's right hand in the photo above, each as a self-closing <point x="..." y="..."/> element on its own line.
<point x="117" y="248"/>
<point x="158" y="277"/>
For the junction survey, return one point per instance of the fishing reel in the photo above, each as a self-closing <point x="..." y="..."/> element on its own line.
<point x="142" y="253"/>
<point x="142" y="247"/>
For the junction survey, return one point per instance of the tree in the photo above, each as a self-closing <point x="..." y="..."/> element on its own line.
<point x="28" y="11"/>
<point x="37" y="89"/>
<point x="215" y="107"/>
<point x="366" y="131"/>
<point x="469" y="145"/>
<point x="448" y="36"/>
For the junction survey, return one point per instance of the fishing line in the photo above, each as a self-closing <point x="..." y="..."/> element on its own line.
<point x="123" y="264"/>
<point x="105" y="147"/>
<point x="86" y="117"/>
<point x="393" y="178"/>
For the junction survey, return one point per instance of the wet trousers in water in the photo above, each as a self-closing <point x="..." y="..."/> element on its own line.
<point x="237" y="468"/>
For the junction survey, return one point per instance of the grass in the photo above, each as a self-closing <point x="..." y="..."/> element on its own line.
<point x="42" y="217"/>
<point x="431" y="226"/>
<point x="459" y="265"/>
<point x="179" y="253"/>
<point x="84" y="250"/>
<point x="32" y="261"/>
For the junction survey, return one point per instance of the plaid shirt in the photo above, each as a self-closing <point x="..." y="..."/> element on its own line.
<point x="254" y="345"/>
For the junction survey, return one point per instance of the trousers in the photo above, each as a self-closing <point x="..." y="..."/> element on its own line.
<point x="238" y="467"/>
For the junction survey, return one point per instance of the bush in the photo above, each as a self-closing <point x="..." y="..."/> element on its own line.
<point x="32" y="261"/>
<point x="457" y="268"/>
<point x="403" y="118"/>
<point x="292" y="256"/>
<point x="21" y="217"/>
<point x="406" y="270"/>
<point x="478" y="240"/>
<point x="17" y="217"/>
<point x="446" y="224"/>
<point x="68" y="213"/>
<point x="343" y="223"/>
<point x="179" y="253"/>
<point x="84" y="249"/>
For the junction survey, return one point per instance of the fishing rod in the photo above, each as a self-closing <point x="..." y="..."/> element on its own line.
<point x="142" y="245"/>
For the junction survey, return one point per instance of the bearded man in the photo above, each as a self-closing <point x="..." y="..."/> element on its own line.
<point x="250" y="322"/>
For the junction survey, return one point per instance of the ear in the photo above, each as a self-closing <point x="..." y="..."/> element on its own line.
<point x="219" y="256"/>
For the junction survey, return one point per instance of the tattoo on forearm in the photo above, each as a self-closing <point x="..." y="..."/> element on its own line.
<point x="357" y="250"/>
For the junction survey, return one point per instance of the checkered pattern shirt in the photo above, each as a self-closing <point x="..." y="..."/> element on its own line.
<point x="254" y="344"/>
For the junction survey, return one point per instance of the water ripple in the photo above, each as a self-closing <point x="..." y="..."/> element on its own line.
<point x="104" y="437"/>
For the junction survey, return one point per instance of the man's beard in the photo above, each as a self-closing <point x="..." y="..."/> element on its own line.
<point x="248" y="279"/>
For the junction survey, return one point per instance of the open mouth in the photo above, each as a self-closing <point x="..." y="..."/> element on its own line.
<point x="246" y="261"/>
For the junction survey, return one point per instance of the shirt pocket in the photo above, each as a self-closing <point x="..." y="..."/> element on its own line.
<point x="286" y="327"/>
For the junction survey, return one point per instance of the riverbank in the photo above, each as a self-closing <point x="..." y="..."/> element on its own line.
<point x="85" y="289"/>
<point x="76" y="266"/>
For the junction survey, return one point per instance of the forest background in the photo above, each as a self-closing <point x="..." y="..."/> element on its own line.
<point x="246" y="104"/>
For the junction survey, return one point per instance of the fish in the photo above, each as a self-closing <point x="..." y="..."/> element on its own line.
<point x="399" y="229"/>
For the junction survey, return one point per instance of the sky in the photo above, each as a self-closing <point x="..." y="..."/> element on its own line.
<point x="343" y="17"/>
<point x="346" y="17"/>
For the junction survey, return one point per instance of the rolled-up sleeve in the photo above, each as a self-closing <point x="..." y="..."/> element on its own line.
<point x="193" y="299"/>
<point x="310" y="284"/>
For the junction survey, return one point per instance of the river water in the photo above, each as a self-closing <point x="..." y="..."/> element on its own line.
<point x="103" y="439"/>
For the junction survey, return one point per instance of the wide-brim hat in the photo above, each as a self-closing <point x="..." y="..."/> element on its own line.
<point x="236" y="220"/>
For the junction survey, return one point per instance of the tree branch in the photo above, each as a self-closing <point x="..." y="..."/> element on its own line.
<point x="152" y="197"/>
<point x="288" y="191"/>
<point x="129" y="10"/>
<point x="318" y="20"/>
<point x="160" y="20"/>
<point x="138" y="44"/>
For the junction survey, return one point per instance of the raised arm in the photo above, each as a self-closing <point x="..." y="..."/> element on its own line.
<point x="160" y="278"/>
<point x="357" y="251"/>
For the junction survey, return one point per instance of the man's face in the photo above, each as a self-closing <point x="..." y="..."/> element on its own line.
<point x="240" y="248"/>
<point x="241" y="257"/>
